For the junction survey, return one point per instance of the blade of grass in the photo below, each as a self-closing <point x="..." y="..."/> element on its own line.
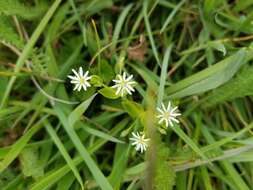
<point x="209" y="78"/>
<point x="75" y="115"/>
<point x="63" y="151"/>
<point x="53" y="176"/>
<point x="221" y="142"/>
<point x="119" y="165"/>
<point x="163" y="75"/>
<point x="119" y="25"/>
<point x="206" y="178"/>
<point x="96" y="172"/>
<point x="148" y="27"/>
<point x="188" y="141"/>
<point x="81" y="25"/>
<point x="101" y="134"/>
<point x="172" y="14"/>
<point x="231" y="171"/>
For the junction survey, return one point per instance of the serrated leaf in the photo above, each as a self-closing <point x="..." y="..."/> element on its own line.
<point x="8" y="33"/>
<point x="15" y="7"/>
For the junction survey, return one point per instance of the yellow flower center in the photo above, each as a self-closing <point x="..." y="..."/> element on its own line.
<point x="141" y="141"/>
<point x="167" y="115"/>
<point x="124" y="84"/>
<point x="82" y="80"/>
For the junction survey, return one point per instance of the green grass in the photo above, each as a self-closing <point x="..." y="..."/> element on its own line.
<point x="196" y="54"/>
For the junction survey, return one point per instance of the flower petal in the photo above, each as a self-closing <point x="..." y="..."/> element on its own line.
<point x="81" y="71"/>
<point x="74" y="71"/>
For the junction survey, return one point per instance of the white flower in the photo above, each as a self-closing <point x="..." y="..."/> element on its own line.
<point x="80" y="80"/>
<point x="124" y="84"/>
<point x="168" y="115"/>
<point x="139" y="142"/>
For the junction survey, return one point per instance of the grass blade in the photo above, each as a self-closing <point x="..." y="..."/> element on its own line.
<point x="79" y="110"/>
<point x="101" y="134"/>
<point x="209" y="78"/>
<point x="96" y="172"/>
<point x="63" y="151"/>
<point x="188" y="141"/>
<point x="163" y="75"/>
<point x="172" y="14"/>
<point x="148" y="27"/>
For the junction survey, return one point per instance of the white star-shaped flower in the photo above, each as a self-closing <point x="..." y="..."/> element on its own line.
<point x="168" y="115"/>
<point x="124" y="84"/>
<point x="80" y="79"/>
<point x="139" y="142"/>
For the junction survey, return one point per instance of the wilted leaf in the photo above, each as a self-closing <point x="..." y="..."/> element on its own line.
<point x="138" y="52"/>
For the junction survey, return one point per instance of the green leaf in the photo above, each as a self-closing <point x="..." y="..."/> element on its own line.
<point x="132" y="108"/>
<point x="96" y="172"/>
<point x="8" y="33"/>
<point x="163" y="75"/>
<point x="188" y="141"/>
<point x="149" y="31"/>
<point x="79" y="110"/>
<point x="28" y="48"/>
<point x="218" y="46"/>
<point x="66" y="182"/>
<point x="106" y="71"/>
<point x="149" y="77"/>
<point x="209" y="78"/>
<point x="171" y="15"/>
<point x="108" y="92"/>
<point x="19" y="145"/>
<point x="119" y="25"/>
<point x="96" y="81"/>
<point x="218" y="144"/>
<point x="64" y="152"/>
<point x="164" y="174"/>
<point x="101" y="134"/>
<point x="30" y="163"/>
<point x="15" y="7"/>
<point x="56" y="174"/>
<point x="240" y="86"/>
<point x="119" y="165"/>
<point x="53" y="176"/>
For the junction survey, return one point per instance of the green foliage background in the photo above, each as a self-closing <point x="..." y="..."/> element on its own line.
<point x="197" y="54"/>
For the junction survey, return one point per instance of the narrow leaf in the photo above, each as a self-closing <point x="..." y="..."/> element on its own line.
<point x="79" y="110"/>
